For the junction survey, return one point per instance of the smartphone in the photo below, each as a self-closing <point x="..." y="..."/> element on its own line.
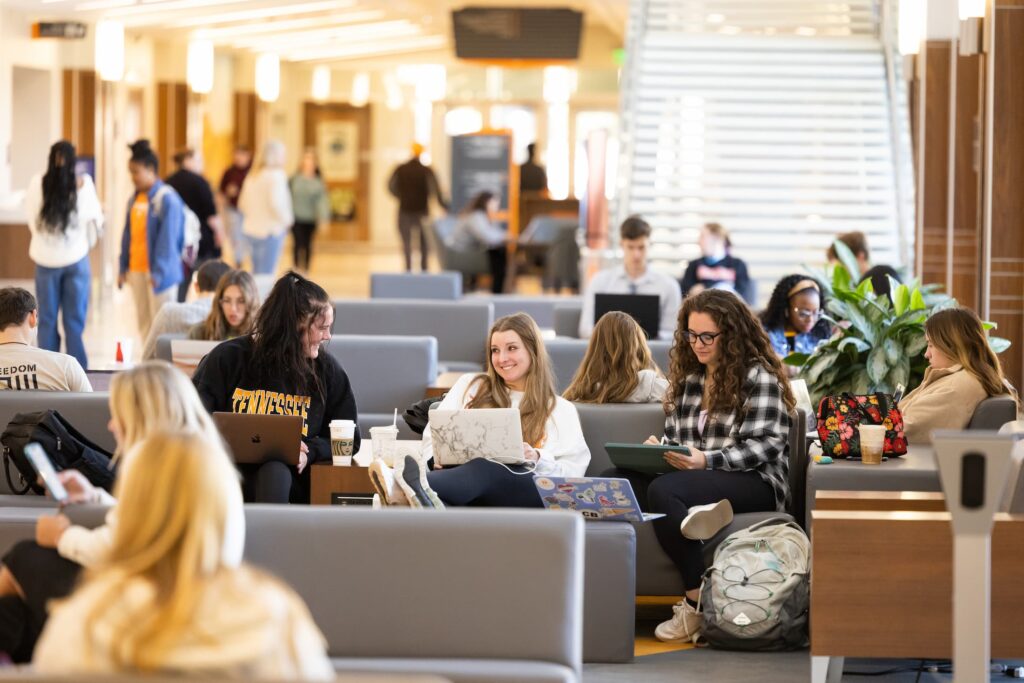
<point x="42" y="465"/>
<point x="899" y="393"/>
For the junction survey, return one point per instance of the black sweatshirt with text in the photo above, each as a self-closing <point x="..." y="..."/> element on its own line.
<point x="227" y="382"/>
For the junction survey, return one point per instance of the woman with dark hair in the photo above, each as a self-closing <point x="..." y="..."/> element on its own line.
<point x="153" y="237"/>
<point x="728" y="402"/>
<point x="280" y="368"/>
<point x="66" y="221"/>
<point x="793" y="319"/>
<point x="309" y="204"/>
<point x="475" y="230"/>
<point x="235" y="303"/>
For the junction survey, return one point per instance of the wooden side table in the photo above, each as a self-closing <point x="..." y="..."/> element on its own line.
<point x="444" y="382"/>
<point x="335" y="485"/>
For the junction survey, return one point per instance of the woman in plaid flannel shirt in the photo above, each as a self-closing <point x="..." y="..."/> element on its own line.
<point x="728" y="400"/>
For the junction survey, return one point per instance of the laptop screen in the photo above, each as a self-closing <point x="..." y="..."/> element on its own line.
<point x="645" y="309"/>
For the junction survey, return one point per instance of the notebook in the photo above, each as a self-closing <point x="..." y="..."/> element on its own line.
<point x="597" y="499"/>
<point x="645" y="309"/>
<point x="462" y="435"/>
<point x="258" y="438"/>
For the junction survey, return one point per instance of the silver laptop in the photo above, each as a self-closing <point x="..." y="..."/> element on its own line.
<point x="462" y="435"/>
<point x="598" y="499"/>
<point x="190" y="351"/>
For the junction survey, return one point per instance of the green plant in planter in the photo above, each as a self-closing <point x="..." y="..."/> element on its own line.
<point x="878" y="343"/>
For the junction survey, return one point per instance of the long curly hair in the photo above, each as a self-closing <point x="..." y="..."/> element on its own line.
<point x="60" y="188"/>
<point x="776" y="314"/>
<point x="610" y="370"/>
<point x="539" y="397"/>
<point x="277" y="350"/>
<point x="743" y="342"/>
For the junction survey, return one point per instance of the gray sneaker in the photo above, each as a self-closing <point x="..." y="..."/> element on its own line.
<point x="704" y="521"/>
<point x="412" y="479"/>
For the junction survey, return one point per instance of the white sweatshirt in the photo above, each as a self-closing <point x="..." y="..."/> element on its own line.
<point x="564" y="452"/>
<point x="266" y="203"/>
<point x="246" y="626"/>
<point x="85" y="225"/>
<point x="650" y="388"/>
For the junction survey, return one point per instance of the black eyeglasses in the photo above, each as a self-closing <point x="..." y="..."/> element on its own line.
<point x="706" y="338"/>
<point x="805" y="314"/>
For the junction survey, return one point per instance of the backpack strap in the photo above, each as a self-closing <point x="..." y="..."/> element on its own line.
<point x="7" y="475"/>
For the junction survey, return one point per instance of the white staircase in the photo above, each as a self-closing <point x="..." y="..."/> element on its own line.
<point x="771" y="117"/>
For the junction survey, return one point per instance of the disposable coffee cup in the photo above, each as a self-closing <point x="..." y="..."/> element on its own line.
<point x="343" y="435"/>
<point x="383" y="439"/>
<point x="872" y="443"/>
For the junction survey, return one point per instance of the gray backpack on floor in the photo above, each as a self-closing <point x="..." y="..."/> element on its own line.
<point x="756" y="595"/>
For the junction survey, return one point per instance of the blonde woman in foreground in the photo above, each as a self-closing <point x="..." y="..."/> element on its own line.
<point x="617" y="367"/>
<point x="165" y="599"/>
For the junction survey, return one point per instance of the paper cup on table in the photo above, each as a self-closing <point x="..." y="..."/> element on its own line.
<point x="343" y="435"/>
<point x="872" y="443"/>
<point x="383" y="439"/>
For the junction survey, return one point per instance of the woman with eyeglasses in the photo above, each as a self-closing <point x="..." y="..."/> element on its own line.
<point x="793" y="319"/>
<point x="236" y="301"/>
<point x="728" y="401"/>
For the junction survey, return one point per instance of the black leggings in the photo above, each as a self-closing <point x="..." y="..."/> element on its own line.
<point x="43" y="576"/>
<point x="274" y="482"/>
<point x="302" y="244"/>
<point x="676" y="492"/>
<point x="498" y="260"/>
<point x="484" y="483"/>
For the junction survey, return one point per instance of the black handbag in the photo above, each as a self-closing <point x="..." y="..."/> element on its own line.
<point x="66" y="446"/>
<point x="418" y="414"/>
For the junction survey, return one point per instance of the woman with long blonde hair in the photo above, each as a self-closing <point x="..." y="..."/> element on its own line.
<point x="617" y="367"/>
<point x="167" y="598"/>
<point x="235" y="302"/>
<point x="964" y="371"/>
<point x="518" y="376"/>
<point x="152" y="396"/>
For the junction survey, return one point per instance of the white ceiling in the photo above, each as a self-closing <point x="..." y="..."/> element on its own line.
<point x="312" y="31"/>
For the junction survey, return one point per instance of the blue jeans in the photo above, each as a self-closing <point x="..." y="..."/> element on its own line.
<point x="239" y="243"/>
<point x="64" y="290"/>
<point x="265" y="253"/>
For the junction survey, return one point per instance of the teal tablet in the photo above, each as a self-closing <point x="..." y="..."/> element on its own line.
<point x="647" y="459"/>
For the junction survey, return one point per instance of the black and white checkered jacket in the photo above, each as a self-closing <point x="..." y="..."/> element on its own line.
<point x="755" y="438"/>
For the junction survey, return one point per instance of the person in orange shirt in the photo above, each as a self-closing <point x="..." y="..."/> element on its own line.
<point x="153" y="237"/>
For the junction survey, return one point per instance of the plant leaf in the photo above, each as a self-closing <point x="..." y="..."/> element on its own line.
<point x="877" y="367"/>
<point x="999" y="344"/>
<point x="917" y="301"/>
<point x="846" y="258"/>
<point x="796" y="359"/>
<point x="840" y="279"/>
<point x="893" y="351"/>
<point x="817" y="366"/>
<point x="855" y="342"/>
<point x="900" y="298"/>
<point x="916" y="344"/>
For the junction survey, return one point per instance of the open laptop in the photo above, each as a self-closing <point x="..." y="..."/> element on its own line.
<point x="596" y="498"/>
<point x="258" y="438"/>
<point x="462" y="435"/>
<point x="187" y="353"/>
<point x="645" y="309"/>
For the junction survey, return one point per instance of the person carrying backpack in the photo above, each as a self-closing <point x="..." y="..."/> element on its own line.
<point x="153" y="238"/>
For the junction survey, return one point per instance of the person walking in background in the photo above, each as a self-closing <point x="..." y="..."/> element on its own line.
<point x="634" y="276"/>
<point x="475" y="230"/>
<point x="154" y="233"/>
<point x="178" y="318"/>
<point x="413" y="183"/>
<point x="309" y="202"/>
<point x="197" y="194"/>
<point x="66" y="221"/>
<point x="266" y="205"/>
<point x="230" y="189"/>
<point x="716" y="268"/>
<point x="532" y="176"/>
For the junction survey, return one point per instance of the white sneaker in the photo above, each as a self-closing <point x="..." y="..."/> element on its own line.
<point x="383" y="479"/>
<point x="704" y="521"/>
<point x="684" y="626"/>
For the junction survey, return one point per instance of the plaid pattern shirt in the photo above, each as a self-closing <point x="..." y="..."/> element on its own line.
<point x="755" y="438"/>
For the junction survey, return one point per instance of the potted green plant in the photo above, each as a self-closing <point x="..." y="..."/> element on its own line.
<point x="878" y="343"/>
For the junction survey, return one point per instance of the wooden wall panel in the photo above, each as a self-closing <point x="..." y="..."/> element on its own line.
<point x="966" y="201"/>
<point x="934" y="173"/>
<point x="245" y="119"/>
<point x="357" y="229"/>
<point x="1006" y="272"/>
<point x="79" y="110"/>
<point x="171" y="122"/>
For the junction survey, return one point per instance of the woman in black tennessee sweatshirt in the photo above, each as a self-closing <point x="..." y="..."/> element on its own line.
<point x="281" y="369"/>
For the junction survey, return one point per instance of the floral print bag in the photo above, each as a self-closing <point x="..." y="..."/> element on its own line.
<point x="839" y="417"/>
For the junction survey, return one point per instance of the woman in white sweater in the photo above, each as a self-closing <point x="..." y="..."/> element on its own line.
<point x="66" y="220"/>
<point x="150" y="397"/>
<point x="617" y="367"/>
<point x="167" y="599"/>
<point x="518" y="376"/>
<point x="266" y="204"/>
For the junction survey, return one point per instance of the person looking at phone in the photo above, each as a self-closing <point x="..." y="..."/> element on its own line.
<point x="728" y="401"/>
<point x="149" y="397"/>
